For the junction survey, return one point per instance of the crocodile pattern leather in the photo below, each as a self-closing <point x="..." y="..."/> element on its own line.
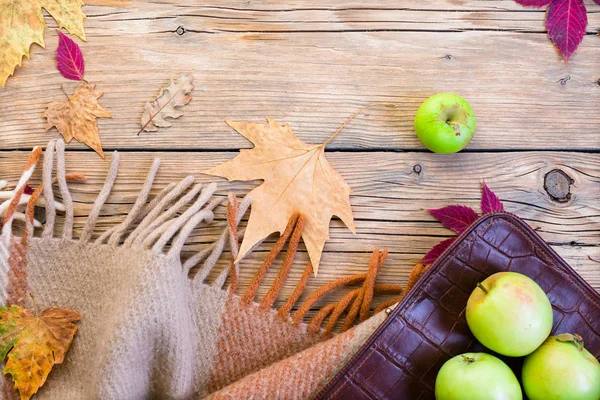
<point x="401" y="359"/>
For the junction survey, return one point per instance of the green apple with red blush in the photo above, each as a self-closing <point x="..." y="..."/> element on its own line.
<point x="561" y="368"/>
<point x="510" y="314"/>
<point x="445" y="123"/>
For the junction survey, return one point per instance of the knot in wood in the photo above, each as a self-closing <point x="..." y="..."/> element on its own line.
<point x="448" y="57"/>
<point x="180" y="31"/>
<point x="563" y="81"/>
<point x="558" y="185"/>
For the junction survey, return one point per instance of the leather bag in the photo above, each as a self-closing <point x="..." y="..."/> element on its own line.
<point x="428" y="327"/>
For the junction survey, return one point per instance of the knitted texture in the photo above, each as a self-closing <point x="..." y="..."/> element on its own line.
<point x="153" y="325"/>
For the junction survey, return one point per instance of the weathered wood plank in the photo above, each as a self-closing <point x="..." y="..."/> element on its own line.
<point x="388" y="202"/>
<point x="268" y="16"/>
<point x="524" y="96"/>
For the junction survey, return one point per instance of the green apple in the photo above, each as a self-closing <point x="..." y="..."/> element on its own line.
<point x="509" y="314"/>
<point x="445" y="123"/>
<point x="561" y="369"/>
<point x="476" y="376"/>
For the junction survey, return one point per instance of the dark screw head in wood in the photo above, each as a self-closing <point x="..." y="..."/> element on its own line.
<point x="417" y="168"/>
<point x="558" y="185"/>
<point x="180" y="31"/>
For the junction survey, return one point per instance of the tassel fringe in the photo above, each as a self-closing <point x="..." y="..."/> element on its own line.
<point x="169" y="219"/>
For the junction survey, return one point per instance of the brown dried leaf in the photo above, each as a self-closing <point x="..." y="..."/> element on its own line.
<point x="165" y="106"/>
<point x="76" y="117"/>
<point x="34" y="344"/>
<point x="297" y="178"/>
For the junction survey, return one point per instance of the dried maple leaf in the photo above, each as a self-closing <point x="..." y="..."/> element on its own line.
<point x="297" y="178"/>
<point x="76" y="117"/>
<point x="22" y="24"/>
<point x="166" y="104"/>
<point x="34" y="344"/>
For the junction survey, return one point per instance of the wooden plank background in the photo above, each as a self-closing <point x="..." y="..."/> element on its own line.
<point x="312" y="63"/>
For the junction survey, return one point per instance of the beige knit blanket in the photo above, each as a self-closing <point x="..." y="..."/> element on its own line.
<point x="154" y="326"/>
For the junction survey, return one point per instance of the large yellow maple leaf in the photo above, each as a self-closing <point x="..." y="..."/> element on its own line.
<point x="22" y="24"/>
<point x="34" y="344"/>
<point x="297" y="178"/>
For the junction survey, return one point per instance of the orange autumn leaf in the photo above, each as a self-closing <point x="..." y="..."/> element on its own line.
<point x="75" y="118"/>
<point x="34" y="344"/>
<point x="297" y="178"/>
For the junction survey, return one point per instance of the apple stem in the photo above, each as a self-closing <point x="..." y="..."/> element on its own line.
<point x="480" y="286"/>
<point x="468" y="359"/>
<point x="576" y="339"/>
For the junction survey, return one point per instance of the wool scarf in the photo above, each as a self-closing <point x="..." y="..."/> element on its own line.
<point x="155" y="325"/>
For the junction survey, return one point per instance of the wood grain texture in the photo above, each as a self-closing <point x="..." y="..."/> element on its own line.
<point x="389" y="203"/>
<point x="312" y="65"/>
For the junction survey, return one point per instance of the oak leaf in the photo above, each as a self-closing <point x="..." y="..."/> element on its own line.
<point x="76" y="117"/>
<point x="167" y="104"/>
<point x="32" y="344"/>
<point x="22" y="24"/>
<point x="297" y="178"/>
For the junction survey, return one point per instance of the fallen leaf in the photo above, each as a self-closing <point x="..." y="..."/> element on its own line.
<point x="69" y="59"/>
<point x="566" y="21"/>
<point x="437" y="250"/>
<point x="297" y="178"/>
<point x="457" y="218"/>
<point x="76" y="117"/>
<point x="489" y="201"/>
<point x="22" y="24"/>
<point x="534" y="3"/>
<point x="34" y="344"/>
<point x="167" y="104"/>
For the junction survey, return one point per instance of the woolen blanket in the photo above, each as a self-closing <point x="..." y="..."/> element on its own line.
<point x="154" y="326"/>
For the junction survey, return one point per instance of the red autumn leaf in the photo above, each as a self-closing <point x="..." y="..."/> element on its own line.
<point x="437" y="251"/>
<point x="457" y="218"/>
<point x="69" y="59"/>
<point x="489" y="201"/>
<point x="28" y="190"/>
<point x="535" y="3"/>
<point x="566" y="21"/>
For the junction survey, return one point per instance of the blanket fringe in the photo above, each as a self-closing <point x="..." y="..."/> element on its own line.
<point x="169" y="219"/>
<point x="356" y="304"/>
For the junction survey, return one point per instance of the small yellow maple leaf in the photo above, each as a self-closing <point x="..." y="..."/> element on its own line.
<point x="22" y="24"/>
<point x="76" y="117"/>
<point x="34" y="344"/>
<point x="297" y="178"/>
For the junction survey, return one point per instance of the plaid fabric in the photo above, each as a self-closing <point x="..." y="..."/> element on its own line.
<point x="153" y="325"/>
